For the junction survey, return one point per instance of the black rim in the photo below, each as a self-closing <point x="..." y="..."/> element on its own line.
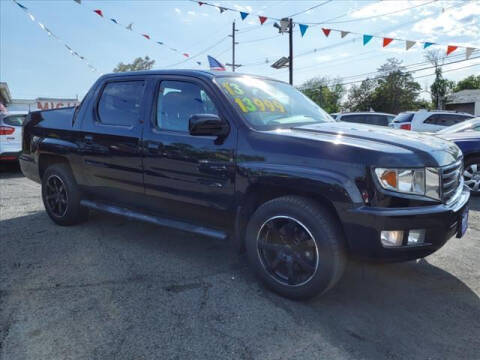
<point x="287" y="250"/>
<point x="56" y="196"/>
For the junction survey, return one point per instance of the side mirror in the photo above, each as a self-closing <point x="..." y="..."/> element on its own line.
<point x="207" y="125"/>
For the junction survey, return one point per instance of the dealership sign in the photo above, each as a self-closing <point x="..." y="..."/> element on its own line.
<point x="55" y="104"/>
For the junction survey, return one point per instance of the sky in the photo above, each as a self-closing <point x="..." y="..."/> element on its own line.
<point x="36" y="65"/>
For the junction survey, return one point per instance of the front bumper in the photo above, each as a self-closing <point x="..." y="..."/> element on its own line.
<point x="363" y="226"/>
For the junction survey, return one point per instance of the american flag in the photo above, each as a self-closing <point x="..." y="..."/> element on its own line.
<point x="215" y="64"/>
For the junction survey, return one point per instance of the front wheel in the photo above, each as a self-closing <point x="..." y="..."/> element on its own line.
<point x="471" y="175"/>
<point x="296" y="247"/>
<point x="61" y="196"/>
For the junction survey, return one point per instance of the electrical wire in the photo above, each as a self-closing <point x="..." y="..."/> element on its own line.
<point x="310" y="8"/>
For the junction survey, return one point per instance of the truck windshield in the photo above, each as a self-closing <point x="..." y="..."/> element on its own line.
<point x="269" y="104"/>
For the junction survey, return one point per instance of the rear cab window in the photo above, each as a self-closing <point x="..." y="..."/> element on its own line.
<point x="121" y="103"/>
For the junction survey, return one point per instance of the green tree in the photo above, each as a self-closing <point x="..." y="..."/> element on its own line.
<point x="394" y="90"/>
<point x="469" y="83"/>
<point x="441" y="87"/>
<point x="138" y="64"/>
<point x="325" y="93"/>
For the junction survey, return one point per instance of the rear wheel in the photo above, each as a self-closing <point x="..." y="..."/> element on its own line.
<point x="296" y="247"/>
<point x="61" y="196"/>
<point x="471" y="175"/>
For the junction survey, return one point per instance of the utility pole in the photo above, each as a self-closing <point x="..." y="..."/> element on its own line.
<point x="290" y="40"/>
<point x="233" y="65"/>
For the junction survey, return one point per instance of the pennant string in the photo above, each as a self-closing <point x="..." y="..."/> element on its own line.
<point x="47" y="30"/>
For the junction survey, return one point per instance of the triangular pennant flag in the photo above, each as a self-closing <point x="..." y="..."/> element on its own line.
<point x="186" y="55"/>
<point x="326" y="31"/>
<point x="98" y="12"/>
<point x="387" y="41"/>
<point x="31" y="17"/>
<point x="200" y="3"/>
<point x="468" y="52"/>
<point x="427" y="44"/>
<point x="222" y="9"/>
<point x="344" y="33"/>
<point x="129" y="27"/>
<point x="21" y="6"/>
<point x="243" y="15"/>
<point x="366" y="39"/>
<point x="262" y="19"/>
<point x="146" y="36"/>
<point x="199" y="63"/>
<point x="78" y="1"/>
<point x="409" y="44"/>
<point x="303" y="29"/>
<point x="451" y="48"/>
<point x="159" y="43"/>
<point x="115" y="21"/>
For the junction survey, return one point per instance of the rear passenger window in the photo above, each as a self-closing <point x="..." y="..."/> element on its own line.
<point x="446" y="119"/>
<point x="14" y="120"/>
<point x="120" y="103"/>
<point x="177" y="101"/>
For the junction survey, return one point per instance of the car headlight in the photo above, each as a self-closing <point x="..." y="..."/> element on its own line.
<point x="425" y="182"/>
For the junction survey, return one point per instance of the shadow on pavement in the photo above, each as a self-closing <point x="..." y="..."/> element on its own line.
<point x="9" y="170"/>
<point x="404" y="310"/>
<point x="475" y="203"/>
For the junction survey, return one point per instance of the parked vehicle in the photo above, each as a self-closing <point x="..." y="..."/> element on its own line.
<point x="428" y="121"/>
<point x="11" y="135"/>
<point x="371" y="118"/>
<point x="253" y="160"/>
<point x="464" y="126"/>
<point x="469" y="143"/>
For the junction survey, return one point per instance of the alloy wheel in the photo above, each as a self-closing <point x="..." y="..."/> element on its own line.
<point x="56" y="196"/>
<point x="472" y="177"/>
<point x="287" y="250"/>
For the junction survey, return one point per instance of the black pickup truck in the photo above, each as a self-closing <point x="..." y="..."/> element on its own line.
<point x="252" y="160"/>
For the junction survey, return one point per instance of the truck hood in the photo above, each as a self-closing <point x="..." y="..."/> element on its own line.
<point x="466" y="135"/>
<point x="397" y="147"/>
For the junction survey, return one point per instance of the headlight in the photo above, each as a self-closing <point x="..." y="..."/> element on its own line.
<point x="424" y="182"/>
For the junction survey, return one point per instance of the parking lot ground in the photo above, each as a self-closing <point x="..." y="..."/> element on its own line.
<point x="113" y="288"/>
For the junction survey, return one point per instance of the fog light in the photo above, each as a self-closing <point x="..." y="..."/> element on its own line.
<point x="391" y="238"/>
<point x="416" y="237"/>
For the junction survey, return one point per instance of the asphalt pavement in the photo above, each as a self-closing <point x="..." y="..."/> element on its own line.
<point x="114" y="288"/>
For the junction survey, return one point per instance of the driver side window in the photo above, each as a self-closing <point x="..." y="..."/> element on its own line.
<point x="177" y="101"/>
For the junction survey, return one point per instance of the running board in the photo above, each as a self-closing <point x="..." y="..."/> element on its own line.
<point x="162" y="221"/>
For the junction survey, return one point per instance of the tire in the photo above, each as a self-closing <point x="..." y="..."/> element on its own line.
<point x="58" y="179"/>
<point x="471" y="175"/>
<point x="315" y="247"/>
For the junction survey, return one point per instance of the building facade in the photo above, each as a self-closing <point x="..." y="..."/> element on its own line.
<point x="465" y="101"/>
<point x="40" y="104"/>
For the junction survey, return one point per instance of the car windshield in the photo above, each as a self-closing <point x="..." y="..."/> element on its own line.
<point x="269" y="104"/>
<point x="467" y="125"/>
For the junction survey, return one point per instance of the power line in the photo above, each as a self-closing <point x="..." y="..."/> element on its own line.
<point x="199" y="53"/>
<point x="310" y="8"/>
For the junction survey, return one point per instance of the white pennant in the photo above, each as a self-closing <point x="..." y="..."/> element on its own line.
<point x="344" y="33"/>
<point x="409" y="44"/>
<point x="468" y="52"/>
<point x="129" y="27"/>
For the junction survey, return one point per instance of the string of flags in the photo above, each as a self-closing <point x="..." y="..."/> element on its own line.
<point x="52" y="35"/>
<point x="386" y="41"/>
<point x="129" y="27"/>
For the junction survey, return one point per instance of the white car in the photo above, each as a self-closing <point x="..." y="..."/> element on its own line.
<point x="367" y="117"/>
<point x="11" y="135"/>
<point x="428" y="121"/>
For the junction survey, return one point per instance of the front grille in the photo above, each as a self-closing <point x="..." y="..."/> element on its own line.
<point x="451" y="180"/>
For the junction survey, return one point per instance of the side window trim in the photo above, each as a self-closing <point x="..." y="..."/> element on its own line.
<point x="96" y="115"/>
<point x="153" y="118"/>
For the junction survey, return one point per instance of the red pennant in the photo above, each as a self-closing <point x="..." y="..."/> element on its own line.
<point x="200" y="3"/>
<point x="186" y="55"/>
<point x="387" y="41"/>
<point x="451" y="48"/>
<point x="262" y="19"/>
<point x="98" y="12"/>
<point x="146" y="36"/>
<point x="326" y="31"/>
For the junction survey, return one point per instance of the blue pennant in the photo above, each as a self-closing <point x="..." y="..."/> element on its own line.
<point x="243" y="15"/>
<point x="366" y="39"/>
<point x="427" y="44"/>
<point x="115" y="21"/>
<point x="303" y="29"/>
<point x="23" y="7"/>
